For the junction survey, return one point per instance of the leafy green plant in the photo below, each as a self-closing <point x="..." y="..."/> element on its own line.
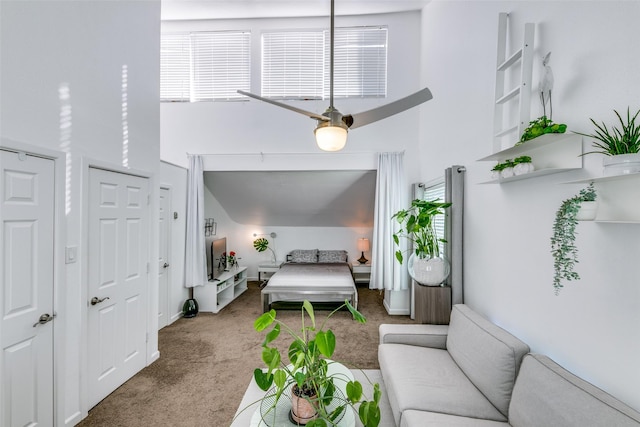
<point x="308" y="368"/>
<point x="563" y="248"/>
<point x="522" y="159"/>
<point x="261" y="244"/>
<point x="541" y="126"/>
<point x="418" y="226"/>
<point x="622" y="140"/>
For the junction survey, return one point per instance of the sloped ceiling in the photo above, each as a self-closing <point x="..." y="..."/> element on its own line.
<point x="296" y="198"/>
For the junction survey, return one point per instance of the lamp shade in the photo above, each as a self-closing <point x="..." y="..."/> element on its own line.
<point x="331" y="138"/>
<point x="363" y="245"/>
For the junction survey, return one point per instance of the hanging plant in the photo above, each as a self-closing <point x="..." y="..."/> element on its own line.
<point x="563" y="248"/>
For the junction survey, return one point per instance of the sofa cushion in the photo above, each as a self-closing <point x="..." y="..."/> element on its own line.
<point x="413" y="418"/>
<point x="486" y="353"/>
<point x="428" y="379"/>
<point x="546" y="394"/>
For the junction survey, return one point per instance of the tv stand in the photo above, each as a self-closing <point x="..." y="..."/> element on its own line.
<point x="221" y="291"/>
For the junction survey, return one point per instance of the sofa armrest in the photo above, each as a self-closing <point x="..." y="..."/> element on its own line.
<point x="434" y="336"/>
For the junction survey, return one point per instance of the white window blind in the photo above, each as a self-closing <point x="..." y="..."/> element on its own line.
<point x="433" y="192"/>
<point x="204" y="66"/>
<point x="292" y="65"/>
<point x="175" y="57"/>
<point x="360" y="62"/>
<point x="221" y="64"/>
<point x="295" y="65"/>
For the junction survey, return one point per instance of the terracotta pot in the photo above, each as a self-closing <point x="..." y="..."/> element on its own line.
<point x="302" y="410"/>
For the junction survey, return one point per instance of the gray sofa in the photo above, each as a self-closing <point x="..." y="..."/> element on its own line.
<point x="473" y="373"/>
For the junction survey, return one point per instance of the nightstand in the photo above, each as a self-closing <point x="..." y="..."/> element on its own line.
<point x="269" y="268"/>
<point x="361" y="272"/>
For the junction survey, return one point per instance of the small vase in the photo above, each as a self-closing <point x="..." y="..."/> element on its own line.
<point x="621" y="164"/>
<point x="587" y="211"/>
<point x="523" y="168"/>
<point x="428" y="271"/>
<point x="506" y="173"/>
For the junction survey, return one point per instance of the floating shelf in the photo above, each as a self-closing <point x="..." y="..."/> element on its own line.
<point x="550" y="153"/>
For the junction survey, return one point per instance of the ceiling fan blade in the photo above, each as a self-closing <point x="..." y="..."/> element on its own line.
<point x="387" y="110"/>
<point x="288" y="107"/>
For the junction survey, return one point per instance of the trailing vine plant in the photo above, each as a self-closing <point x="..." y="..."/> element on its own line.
<point x="563" y="248"/>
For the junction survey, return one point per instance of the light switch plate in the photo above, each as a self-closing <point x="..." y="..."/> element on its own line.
<point x="70" y="254"/>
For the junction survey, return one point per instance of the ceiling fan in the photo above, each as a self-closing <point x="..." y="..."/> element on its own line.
<point x="332" y="128"/>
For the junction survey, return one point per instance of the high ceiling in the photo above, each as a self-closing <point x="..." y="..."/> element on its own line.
<point x="296" y="198"/>
<point x="241" y="9"/>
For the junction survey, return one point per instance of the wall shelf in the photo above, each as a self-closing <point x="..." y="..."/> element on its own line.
<point x="550" y="153"/>
<point x="618" y="198"/>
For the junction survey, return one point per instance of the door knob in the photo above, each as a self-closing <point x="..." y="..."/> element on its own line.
<point x="96" y="300"/>
<point x="166" y="264"/>
<point x="45" y="318"/>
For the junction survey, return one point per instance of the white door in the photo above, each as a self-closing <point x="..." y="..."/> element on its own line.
<point x="163" y="258"/>
<point x="118" y="279"/>
<point x="26" y="277"/>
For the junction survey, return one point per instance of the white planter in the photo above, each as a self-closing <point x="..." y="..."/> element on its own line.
<point x="621" y="164"/>
<point x="523" y="168"/>
<point x="506" y="173"/>
<point x="428" y="271"/>
<point x="588" y="211"/>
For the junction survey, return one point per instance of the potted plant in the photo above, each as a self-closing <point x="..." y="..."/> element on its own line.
<point x="563" y="248"/>
<point x="261" y="244"/>
<point x="309" y="376"/>
<point x="540" y="126"/>
<point x="426" y="265"/>
<point x="522" y="165"/>
<point x="620" y="145"/>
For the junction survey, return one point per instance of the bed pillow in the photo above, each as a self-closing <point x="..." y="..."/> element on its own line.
<point x="304" y="255"/>
<point x="332" y="256"/>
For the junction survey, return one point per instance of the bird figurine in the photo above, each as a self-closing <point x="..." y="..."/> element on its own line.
<point x="546" y="86"/>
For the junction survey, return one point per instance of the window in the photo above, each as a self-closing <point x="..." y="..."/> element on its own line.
<point x="360" y="62"/>
<point x="295" y="65"/>
<point x="292" y="65"/>
<point x="175" y="54"/>
<point x="204" y="66"/>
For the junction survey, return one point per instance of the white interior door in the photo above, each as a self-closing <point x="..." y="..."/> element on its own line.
<point x="26" y="276"/>
<point x="118" y="279"/>
<point x="163" y="258"/>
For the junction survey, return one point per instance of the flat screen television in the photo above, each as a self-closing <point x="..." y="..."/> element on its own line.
<point x="218" y="257"/>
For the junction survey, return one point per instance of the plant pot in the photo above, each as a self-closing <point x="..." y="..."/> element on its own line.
<point x="428" y="271"/>
<point x="587" y="211"/>
<point x="523" y="168"/>
<point x="302" y="409"/>
<point x="506" y="172"/>
<point x="621" y="164"/>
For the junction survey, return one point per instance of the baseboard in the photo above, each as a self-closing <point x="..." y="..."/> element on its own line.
<point x="395" y="312"/>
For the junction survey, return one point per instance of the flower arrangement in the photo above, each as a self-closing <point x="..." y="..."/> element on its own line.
<point x="541" y="126"/>
<point x="232" y="260"/>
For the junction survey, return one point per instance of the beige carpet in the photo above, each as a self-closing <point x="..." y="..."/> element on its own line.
<point x="207" y="362"/>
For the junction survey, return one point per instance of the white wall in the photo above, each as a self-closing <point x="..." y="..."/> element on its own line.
<point x="65" y="68"/>
<point x="591" y="328"/>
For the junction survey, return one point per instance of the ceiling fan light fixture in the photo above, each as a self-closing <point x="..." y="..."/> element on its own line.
<point x="331" y="136"/>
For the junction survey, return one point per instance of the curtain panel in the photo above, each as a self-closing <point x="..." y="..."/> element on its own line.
<point x="195" y="270"/>
<point x="391" y="196"/>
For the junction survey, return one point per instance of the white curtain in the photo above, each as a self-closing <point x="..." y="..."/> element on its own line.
<point x="195" y="255"/>
<point x="391" y="196"/>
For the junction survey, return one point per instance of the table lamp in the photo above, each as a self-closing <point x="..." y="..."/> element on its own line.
<point x="363" y="246"/>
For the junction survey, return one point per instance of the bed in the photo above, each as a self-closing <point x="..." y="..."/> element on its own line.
<point x="314" y="275"/>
